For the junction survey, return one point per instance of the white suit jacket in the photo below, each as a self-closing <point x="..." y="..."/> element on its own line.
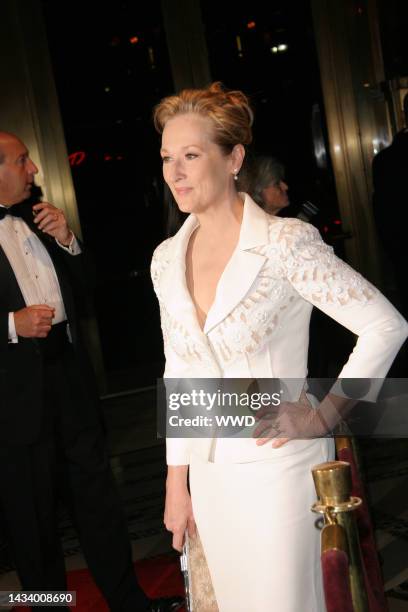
<point x="258" y="325"/>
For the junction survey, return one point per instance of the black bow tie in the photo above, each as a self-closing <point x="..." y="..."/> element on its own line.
<point x="17" y="210"/>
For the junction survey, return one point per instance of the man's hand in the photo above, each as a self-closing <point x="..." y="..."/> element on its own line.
<point x="52" y="221"/>
<point x="34" y="321"/>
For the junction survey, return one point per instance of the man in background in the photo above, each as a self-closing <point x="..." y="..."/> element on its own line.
<point x="51" y="440"/>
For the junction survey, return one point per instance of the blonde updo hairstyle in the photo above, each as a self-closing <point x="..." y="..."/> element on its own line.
<point x="229" y="112"/>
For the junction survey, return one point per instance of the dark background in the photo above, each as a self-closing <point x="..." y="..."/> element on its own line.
<point x="111" y="66"/>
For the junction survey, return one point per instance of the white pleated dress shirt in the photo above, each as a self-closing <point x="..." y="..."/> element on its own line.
<point x="33" y="268"/>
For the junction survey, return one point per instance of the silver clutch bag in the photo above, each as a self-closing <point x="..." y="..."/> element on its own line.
<point x="200" y="596"/>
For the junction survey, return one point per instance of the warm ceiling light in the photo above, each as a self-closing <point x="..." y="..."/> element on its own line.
<point x="251" y="25"/>
<point x="133" y="40"/>
<point x="282" y="47"/>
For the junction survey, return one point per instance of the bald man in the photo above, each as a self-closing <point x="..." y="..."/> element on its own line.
<point x="51" y="439"/>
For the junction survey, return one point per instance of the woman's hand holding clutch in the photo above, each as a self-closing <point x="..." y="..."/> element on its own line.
<point x="178" y="513"/>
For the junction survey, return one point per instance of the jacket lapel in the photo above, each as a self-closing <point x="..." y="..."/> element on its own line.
<point x="235" y="282"/>
<point x="243" y="267"/>
<point x="173" y="286"/>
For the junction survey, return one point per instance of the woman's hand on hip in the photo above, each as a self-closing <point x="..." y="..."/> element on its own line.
<point x="292" y="421"/>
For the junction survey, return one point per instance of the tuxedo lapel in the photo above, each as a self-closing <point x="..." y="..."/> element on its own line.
<point x="28" y="216"/>
<point x="11" y="298"/>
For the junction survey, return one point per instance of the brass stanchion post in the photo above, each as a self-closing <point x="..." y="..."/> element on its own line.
<point x="333" y="486"/>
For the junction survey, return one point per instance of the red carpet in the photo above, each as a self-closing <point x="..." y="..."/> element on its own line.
<point x="159" y="577"/>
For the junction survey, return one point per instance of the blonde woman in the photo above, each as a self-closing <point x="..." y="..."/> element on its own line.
<point x="236" y="287"/>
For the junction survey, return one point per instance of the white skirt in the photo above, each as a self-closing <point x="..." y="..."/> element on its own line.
<point x="258" y="532"/>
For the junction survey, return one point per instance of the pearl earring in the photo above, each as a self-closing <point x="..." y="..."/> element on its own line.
<point x="236" y="175"/>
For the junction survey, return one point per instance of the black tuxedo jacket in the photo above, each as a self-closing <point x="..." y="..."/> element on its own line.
<point x="22" y="372"/>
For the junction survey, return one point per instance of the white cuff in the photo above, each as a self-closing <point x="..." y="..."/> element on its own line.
<point x="359" y="389"/>
<point x="72" y="248"/>
<point x="178" y="451"/>
<point x="12" y="334"/>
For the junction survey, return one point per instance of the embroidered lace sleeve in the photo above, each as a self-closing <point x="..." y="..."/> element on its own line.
<point x="178" y="450"/>
<point x="331" y="285"/>
<point x="160" y="261"/>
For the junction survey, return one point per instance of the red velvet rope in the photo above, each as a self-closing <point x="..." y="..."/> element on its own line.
<point x="336" y="581"/>
<point x="372" y="573"/>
